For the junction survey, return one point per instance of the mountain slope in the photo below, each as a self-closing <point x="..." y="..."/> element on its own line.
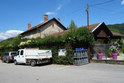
<point x="120" y="27"/>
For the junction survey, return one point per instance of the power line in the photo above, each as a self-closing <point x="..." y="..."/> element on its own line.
<point x="101" y="3"/>
<point x="109" y="10"/>
<point x="92" y="5"/>
<point x="71" y="13"/>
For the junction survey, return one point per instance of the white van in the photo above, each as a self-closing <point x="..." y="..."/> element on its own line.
<point x="32" y="56"/>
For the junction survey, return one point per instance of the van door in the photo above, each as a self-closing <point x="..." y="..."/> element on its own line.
<point x="17" y="58"/>
<point x="20" y="57"/>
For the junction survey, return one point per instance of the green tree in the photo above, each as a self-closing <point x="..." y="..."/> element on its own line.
<point x="81" y="37"/>
<point x="72" y="25"/>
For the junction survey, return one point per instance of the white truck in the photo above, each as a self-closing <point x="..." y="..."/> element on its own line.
<point x="32" y="56"/>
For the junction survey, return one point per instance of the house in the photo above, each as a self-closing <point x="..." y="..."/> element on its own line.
<point x="99" y="30"/>
<point x="48" y="27"/>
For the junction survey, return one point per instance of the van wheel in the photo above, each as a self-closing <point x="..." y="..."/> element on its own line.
<point x="15" y="62"/>
<point x="50" y="61"/>
<point x="32" y="63"/>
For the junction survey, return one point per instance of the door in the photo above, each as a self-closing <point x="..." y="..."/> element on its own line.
<point x="20" y="57"/>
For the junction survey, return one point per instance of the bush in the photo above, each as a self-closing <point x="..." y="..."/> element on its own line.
<point x="75" y="38"/>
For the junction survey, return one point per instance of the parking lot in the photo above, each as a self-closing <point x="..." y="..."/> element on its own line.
<point x="91" y="73"/>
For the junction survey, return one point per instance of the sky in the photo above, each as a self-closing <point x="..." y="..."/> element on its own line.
<point x="15" y="15"/>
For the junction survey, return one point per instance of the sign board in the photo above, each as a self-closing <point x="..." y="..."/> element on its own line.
<point x="79" y="49"/>
<point x="61" y="52"/>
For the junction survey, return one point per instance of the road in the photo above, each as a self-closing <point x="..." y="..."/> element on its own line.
<point x="91" y="73"/>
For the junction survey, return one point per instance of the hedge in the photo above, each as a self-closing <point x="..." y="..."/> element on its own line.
<point x="75" y="38"/>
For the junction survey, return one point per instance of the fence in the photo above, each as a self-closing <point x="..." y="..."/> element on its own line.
<point x="81" y="57"/>
<point x="103" y="47"/>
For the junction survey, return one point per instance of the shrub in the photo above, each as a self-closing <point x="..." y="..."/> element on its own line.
<point x="75" y="38"/>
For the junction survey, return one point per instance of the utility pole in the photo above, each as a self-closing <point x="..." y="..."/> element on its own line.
<point x="87" y="10"/>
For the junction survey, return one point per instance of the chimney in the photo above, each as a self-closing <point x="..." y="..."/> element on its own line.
<point x="29" y="26"/>
<point x="45" y="17"/>
<point x="59" y="19"/>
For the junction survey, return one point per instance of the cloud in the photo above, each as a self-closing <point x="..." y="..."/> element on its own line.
<point x="50" y="13"/>
<point x="9" y="34"/>
<point x="122" y="3"/>
<point x="54" y="13"/>
<point x="59" y="7"/>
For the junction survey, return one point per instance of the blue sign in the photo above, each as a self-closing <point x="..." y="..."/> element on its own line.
<point x="79" y="49"/>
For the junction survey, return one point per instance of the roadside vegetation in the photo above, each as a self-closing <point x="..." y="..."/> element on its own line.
<point x="75" y="38"/>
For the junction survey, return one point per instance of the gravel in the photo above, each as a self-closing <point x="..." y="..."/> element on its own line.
<point x="90" y="73"/>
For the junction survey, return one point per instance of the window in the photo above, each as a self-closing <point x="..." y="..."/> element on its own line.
<point x="13" y="54"/>
<point x="18" y="53"/>
<point x="21" y="52"/>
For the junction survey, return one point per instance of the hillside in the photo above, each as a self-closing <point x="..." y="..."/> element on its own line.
<point x="120" y="27"/>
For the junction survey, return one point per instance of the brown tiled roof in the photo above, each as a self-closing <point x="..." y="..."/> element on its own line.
<point x="91" y="27"/>
<point x="43" y="23"/>
<point x="60" y="33"/>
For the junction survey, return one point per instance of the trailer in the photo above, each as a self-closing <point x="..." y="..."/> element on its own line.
<point x="32" y="56"/>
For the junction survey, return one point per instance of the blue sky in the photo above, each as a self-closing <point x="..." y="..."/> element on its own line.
<point x="16" y="14"/>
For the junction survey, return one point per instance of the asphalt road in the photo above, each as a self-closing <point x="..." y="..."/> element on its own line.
<point x="91" y="73"/>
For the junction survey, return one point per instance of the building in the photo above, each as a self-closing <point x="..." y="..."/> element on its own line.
<point x="48" y="27"/>
<point x="99" y="30"/>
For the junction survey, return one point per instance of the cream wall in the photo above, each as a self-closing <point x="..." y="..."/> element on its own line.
<point x="32" y="34"/>
<point x="48" y="29"/>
